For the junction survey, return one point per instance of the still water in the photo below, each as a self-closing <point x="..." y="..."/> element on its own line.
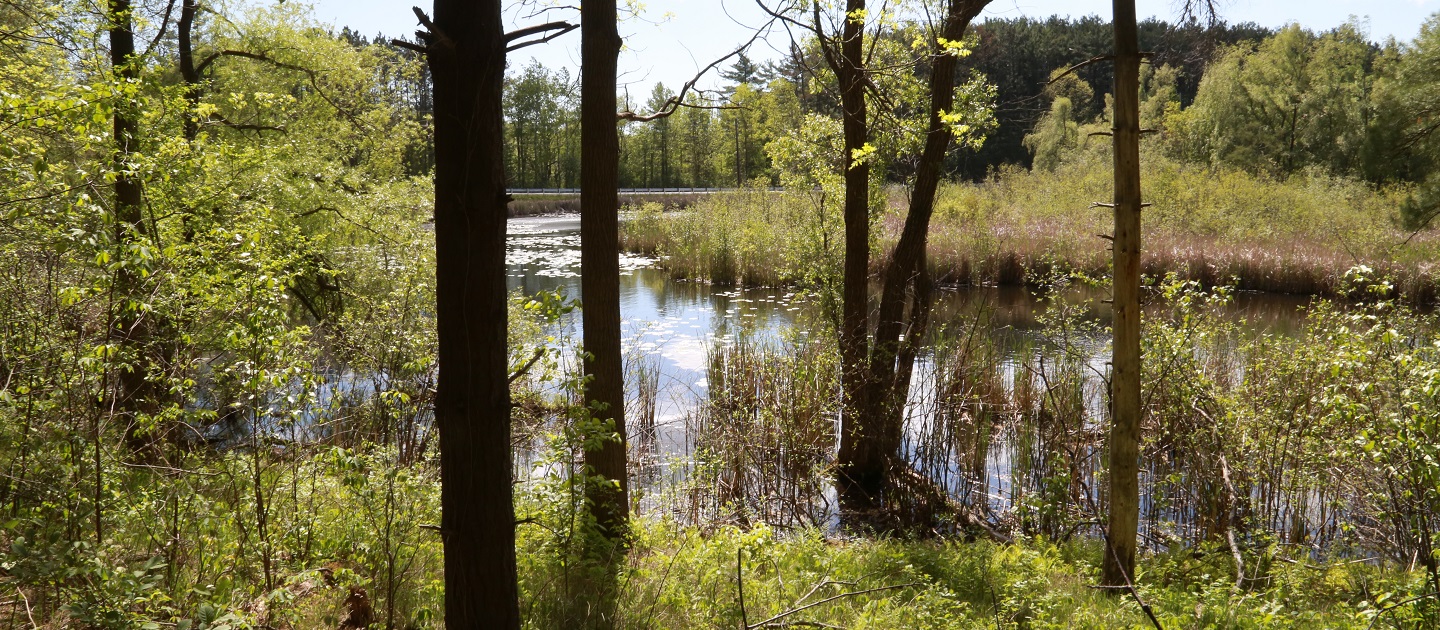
<point x="671" y="327"/>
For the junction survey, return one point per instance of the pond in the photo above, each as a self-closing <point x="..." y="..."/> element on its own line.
<point x="672" y="328"/>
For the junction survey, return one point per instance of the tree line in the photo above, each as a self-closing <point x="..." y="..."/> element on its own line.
<point x="721" y="141"/>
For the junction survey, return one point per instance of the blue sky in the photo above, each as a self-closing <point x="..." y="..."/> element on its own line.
<point x="673" y="38"/>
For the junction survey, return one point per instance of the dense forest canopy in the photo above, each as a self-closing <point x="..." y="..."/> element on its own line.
<point x="725" y="147"/>
<point x="232" y="240"/>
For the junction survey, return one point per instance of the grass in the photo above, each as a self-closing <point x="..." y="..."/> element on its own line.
<point x="677" y="576"/>
<point x="352" y="519"/>
<point x="1297" y="235"/>
<point x="1216" y="226"/>
<point x="749" y="237"/>
<point x="529" y="205"/>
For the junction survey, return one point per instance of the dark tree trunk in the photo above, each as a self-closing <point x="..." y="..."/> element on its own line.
<point x="861" y="460"/>
<point x="875" y="393"/>
<point x="891" y="363"/>
<point x="185" y="43"/>
<point x="600" y="258"/>
<point x="1119" y="565"/>
<point x="133" y="396"/>
<point x="466" y="52"/>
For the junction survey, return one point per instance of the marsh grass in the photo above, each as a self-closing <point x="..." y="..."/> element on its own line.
<point x="764" y="436"/>
<point x="539" y="205"/>
<point x="1218" y="226"/>
<point x="749" y="237"/>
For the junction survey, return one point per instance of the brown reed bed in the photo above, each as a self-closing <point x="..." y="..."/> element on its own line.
<point x="1218" y="227"/>
<point x="540" y="205"/>
<point x="1296" y="236"/>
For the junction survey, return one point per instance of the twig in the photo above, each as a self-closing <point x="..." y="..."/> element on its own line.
<point x="1129" y="585"/>
<point x="170" y="469"/>
<point x="561" y="28"/>
<point x="28" y="613"/>
<point x="1397" y="605"/>
<point x="1072" y="69"/>
<point x="828" y="600"/>
<point x="740" y="585"/>
<point x="674" y="102"/>
<point x="539" y="352"/>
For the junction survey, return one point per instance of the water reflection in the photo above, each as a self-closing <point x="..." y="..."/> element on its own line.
<point x="985" y="428"/>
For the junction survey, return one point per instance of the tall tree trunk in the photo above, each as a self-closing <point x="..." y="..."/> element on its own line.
<point x="861" y="460"/>
<point x="1119" y="566"/>
<point x="185" y="42"/>
<point x="466" y="52"/>
<point x="133" y="396"/>
<point x="600" y="259"/>
<point x="890" y="364"/>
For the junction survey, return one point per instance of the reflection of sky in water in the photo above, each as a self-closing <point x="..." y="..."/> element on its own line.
<point x="666" y="324"/>
<point x="669" y="326"/>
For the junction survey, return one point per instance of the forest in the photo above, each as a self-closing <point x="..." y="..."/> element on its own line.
<point x="948" y="319"/>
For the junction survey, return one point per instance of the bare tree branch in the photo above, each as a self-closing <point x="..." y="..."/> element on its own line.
<point x="560" y="28"/>
<point x="538" y="28"/>
<point x="400" y="43"/>
<point x="675" y="102"/>
<point x="164" y="24"/>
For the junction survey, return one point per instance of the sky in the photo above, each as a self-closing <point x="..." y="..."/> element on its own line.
<point x="672" y="39"/>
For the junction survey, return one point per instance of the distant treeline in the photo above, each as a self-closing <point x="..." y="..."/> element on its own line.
<point x="726" y="146"/>
<point x="1273" y="101"/>
<point x="1019" y="56"/>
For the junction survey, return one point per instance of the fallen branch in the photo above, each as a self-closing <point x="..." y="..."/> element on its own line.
<point x="539" y="352"/>
<point x="827" y="600"/>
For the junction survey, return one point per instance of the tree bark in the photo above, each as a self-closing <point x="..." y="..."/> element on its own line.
<point x="600" y="260"/>
<point x="861" y="461"/>
<point x="890" y="363"/>
<point x="1119" y="564"/>
<point x="185" y="42"/>
<point x="466" y="53"/>
<point x="133" y="395"/>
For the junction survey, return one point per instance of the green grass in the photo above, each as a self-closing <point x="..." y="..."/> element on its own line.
<point x="1217" y="226"/>
<point x="690" y="578"/>
<point x="1297" y="235"/>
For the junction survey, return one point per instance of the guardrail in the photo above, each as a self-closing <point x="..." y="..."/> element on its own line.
<point x="632" y="191"/>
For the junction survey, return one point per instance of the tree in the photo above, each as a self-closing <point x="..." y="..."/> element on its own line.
<point x="605" y="454"/>
<point x="906" y="278"/>
<point x="1296" y="100"/>
<point x="875" y="376"/>
<point x="465" y="47"/>
<point x="1054" y="134"/>
<point x="135" y="399"/>
<point x="743" y="71"/>
<point x="1403" y="138"/>
<point x="861" y="463"/>
<point x="1125" y="409"/>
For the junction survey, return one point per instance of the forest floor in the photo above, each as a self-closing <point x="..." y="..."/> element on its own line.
<point x="692" y="577"/>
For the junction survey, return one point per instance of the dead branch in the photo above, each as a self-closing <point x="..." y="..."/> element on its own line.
<point x="542" y="40"/>
<point x="675" y="102"/>
<point x="827" y="600"/>
<point x="400" y="43"/>
<point x="524" y="369"/>
<point x="160" y="33"/>
<point x="537" y="29"/>
<point x="440" y="37"/>
<point x="1078" y="66"/>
